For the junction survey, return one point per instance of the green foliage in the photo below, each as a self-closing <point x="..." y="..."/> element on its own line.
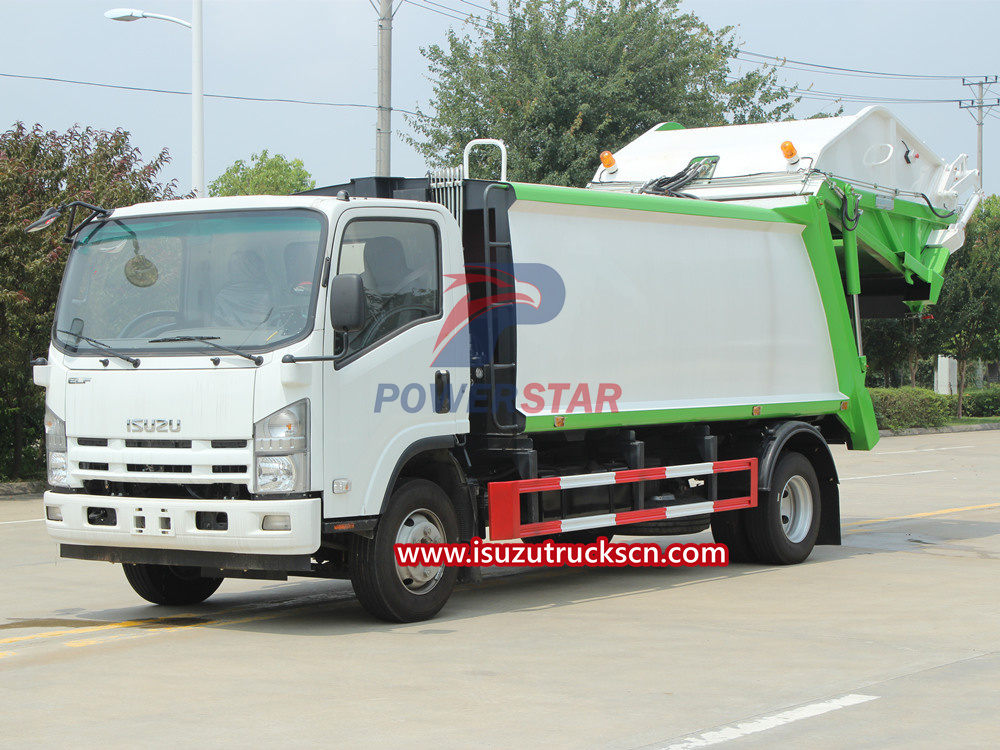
<point x="895" y="347"/>
<point x="967" y="315"/>
<point x="901" y="408"/>
<point x="562" y="80"/>
<point x="982" y="403"/>
<point x="39" y="169"/>
<point x="264" y="175"/>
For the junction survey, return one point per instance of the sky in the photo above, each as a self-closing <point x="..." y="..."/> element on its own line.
<point x="325" y="50"/>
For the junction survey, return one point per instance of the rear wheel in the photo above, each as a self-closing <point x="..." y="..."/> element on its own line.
<point x="784" y="526"/>
<point x="170" y="584"/>
<point x="419" y="512"/>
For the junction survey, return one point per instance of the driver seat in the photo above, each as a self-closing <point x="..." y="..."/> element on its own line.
<point x="389" y="278"/>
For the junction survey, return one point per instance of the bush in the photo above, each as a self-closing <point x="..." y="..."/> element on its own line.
<point x="982" y="403"/>
<point x="901" y="408"/>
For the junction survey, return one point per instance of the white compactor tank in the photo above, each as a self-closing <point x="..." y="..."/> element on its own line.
<point x="871" y="149"/>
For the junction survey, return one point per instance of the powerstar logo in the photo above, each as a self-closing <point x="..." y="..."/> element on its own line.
<point x="497" y="298"/>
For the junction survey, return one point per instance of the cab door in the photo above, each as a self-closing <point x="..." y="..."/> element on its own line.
<point x="389" y="391"/>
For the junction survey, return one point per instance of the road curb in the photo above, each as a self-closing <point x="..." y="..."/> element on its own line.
<point x="15" y="490"/>
<point x="984" y="426"/>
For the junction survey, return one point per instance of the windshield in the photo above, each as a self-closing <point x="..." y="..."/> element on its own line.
<point x="244" y="279"/>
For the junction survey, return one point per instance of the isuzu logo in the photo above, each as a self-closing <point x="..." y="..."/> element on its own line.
<point x="152" y="425"/>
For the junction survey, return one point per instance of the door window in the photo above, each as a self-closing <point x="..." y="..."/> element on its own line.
<point x="399" y="263"/>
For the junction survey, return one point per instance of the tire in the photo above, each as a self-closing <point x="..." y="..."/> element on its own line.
<point x="729" y="528"/>
<point x="418" y="510"/>
<point x="170" y="584"/>
<point x="783" y="528"/>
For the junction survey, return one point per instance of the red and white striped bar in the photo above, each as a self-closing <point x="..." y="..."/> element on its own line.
<point x="505" y="498"/>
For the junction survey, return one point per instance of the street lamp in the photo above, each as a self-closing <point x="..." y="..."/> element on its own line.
<point x="197" y="83"/>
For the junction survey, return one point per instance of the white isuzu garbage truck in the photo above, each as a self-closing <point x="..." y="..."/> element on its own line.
<point x="289" y="386"/>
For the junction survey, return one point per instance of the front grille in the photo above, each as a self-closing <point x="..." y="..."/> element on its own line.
<point x="230" y="469"/>
<point x="157" y="444"/>
<point x="229" y="443"/>
<point x="93" y="442"/>
<point x="160" y="468"/>
<point x="163" y="490"/>
<point x="93" y="466"/>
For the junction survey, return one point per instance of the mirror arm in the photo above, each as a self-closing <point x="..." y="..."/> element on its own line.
<point x="95" y="211"/>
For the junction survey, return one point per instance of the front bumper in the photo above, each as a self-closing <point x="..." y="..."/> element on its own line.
<point x="172" y="524"/>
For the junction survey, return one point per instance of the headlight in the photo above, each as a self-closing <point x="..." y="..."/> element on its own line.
<point x="55" y="450"/>
<point x="58" y="476"/>
<point x="55" y="432"/>
<point x="281" y="450"/>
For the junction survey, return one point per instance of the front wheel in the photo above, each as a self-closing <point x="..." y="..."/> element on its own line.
<point x="419" y="512"/>
<point x="170" y="584"/>
<point x="784" y="526"/>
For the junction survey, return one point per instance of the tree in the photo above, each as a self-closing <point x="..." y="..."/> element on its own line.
<point x="561" y="80"/>
<point x="265" y="175"/>
<point x="39" y="169"/>
<point x="884" y="350"/>
<point x="967" y="315"/>
<point x="894" y="344"/>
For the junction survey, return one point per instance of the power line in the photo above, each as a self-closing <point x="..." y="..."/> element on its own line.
<point x="488" y="10"/>
<point x="852" y="71"/>
<point x="813" y="93"/>
<point x="461" y="13"/>
<point x="443" y="13"/>
<point x="861" y="98"/>
<point x="232" y="97"/>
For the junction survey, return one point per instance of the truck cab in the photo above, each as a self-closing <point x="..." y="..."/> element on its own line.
<point x="202" y="411"/>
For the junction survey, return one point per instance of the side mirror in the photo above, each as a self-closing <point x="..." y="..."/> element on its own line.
<point x="347" y="302"/>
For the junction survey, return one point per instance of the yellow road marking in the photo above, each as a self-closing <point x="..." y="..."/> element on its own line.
<point x="924" y="515"/>
<point x="275" y="610"/>
<point x="197" y="620"/>
<point x="75" y="631"/>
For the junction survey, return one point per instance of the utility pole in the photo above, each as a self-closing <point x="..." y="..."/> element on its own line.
<point x="197" y="103"/>
<point x="383" y="125"/>
<point x="982" y="107"/>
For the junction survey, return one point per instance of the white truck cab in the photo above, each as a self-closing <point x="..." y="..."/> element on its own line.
<point x="198" y="397"/>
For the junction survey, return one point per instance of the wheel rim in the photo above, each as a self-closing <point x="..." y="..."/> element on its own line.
<point x="420" y="527"/>
<point x="795" y="508"/>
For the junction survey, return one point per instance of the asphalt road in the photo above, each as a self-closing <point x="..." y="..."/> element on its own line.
<point x="892" y="640"/>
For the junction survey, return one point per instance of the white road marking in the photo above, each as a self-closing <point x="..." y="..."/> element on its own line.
<point x="27" y="520"/>
<point x="764" y="723"/>
<point x="901" y="474"/>
<point x="923" y="450"/>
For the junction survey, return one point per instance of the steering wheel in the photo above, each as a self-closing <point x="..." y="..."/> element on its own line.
<point x="372" y="331"/>
<point x="127" y="329"/>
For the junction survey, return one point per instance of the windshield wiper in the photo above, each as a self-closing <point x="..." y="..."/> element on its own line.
<point x="100" y="346"/>
<point x="210" y="341"/>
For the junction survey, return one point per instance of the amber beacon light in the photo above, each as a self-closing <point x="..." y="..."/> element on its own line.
<point x="788" y="149"/>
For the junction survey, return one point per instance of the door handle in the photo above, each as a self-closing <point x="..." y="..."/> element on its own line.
<point x="442" y="392"/>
